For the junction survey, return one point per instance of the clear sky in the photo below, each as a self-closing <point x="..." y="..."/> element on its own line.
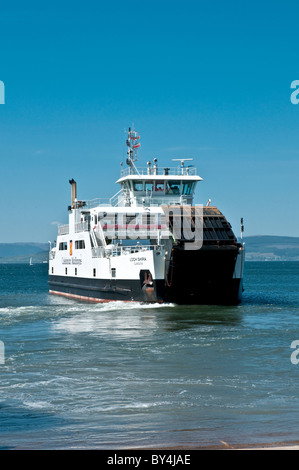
<point x="205" y="80"/>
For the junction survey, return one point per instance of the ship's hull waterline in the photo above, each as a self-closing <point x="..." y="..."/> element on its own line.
<point x="202" y="277"/>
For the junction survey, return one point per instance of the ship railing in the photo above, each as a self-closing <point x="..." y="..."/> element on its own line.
<point x="174" y="171"/>
<point x="122" y="199"/>
<point x="143" y="232"/>
<point x="154" y="201"/>
<point x="118" y="250"/>
<point x="119" y="199"/>
<point x="82" y="227"/>
<point x="97" y="202"/>
<point x="98" y="252"/>
<point x="128" y="250"/>
<point x="63" y="229"/>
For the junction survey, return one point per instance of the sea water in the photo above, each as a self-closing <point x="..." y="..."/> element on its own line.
<point x="119" y="375"/>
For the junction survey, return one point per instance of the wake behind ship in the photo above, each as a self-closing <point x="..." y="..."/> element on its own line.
<point x="148" y="242"/>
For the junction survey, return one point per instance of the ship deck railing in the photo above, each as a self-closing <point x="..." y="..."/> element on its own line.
<point x="118" y="199"/>
<point x="63" y="229"/>
<point x="174" y="171"/>
<point x="123" y="200"/>
<point x="118" y="250"/>
<point x="126" y="229"/>
<point x="156" y="201"/>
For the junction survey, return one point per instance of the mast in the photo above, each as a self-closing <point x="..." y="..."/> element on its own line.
<point x="133" y="145"/>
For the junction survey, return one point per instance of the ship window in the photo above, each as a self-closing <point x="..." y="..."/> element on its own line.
<point x="94" y="272"/>
<point x="79" y="244"/>
<point x="63" y="246"/>
<point x="138" y="186"/>
<point x="113" y="272"/>
<point x="188" y="188"/>
<point x="149" y="185"/>
<point x="173" y="187"/>
<point x="52" y="270"/>
<point x="159" y="186"/>
<point x="75" y="271"/>
<point x="65" y="270"/>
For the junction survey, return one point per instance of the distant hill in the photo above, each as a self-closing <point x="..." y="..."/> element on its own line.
<point x="271" y="248"/>
<point x="258" y="248"/>
<point x="22" y="252"/>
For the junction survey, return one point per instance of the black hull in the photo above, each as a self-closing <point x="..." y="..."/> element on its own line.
<point x="204" y="276"/>
<point x="104" y="290"/>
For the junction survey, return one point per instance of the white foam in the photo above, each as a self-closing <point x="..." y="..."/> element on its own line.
<point x="36" y="404"/>
<point x="121" y="325"/>
<point x="116" y="305"/>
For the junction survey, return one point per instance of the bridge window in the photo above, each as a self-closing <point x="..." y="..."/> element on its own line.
<point x="149" y="186"/>
<point x="173" y="187"/>
<point x="159" y="186"/>
<point x="188" y="188"/>
<point x="138" y="186"/>
<point x="63" y="246"/>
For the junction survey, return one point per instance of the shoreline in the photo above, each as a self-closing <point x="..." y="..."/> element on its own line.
<point x="184" y="449"/>
<point x="223" y="445"/>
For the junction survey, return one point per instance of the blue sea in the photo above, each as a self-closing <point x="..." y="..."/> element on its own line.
<point x="77" y="375"/>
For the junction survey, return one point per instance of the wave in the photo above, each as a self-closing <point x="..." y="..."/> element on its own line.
<point x="116" y="305"/>
<point x="119" y="319"/>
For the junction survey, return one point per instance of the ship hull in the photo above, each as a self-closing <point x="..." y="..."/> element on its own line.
<point x="106" y="290"/>
<point x="172" y="273"/>
<point x="205" y="276"/>
<point x="211" y="275"/>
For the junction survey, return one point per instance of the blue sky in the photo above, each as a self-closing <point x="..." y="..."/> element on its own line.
<point x="205" y="80"/>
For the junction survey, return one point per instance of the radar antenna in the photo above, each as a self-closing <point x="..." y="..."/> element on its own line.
<point x="182" y="160"/>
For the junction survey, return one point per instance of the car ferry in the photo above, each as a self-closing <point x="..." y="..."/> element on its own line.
<point x="148" y="242"/>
